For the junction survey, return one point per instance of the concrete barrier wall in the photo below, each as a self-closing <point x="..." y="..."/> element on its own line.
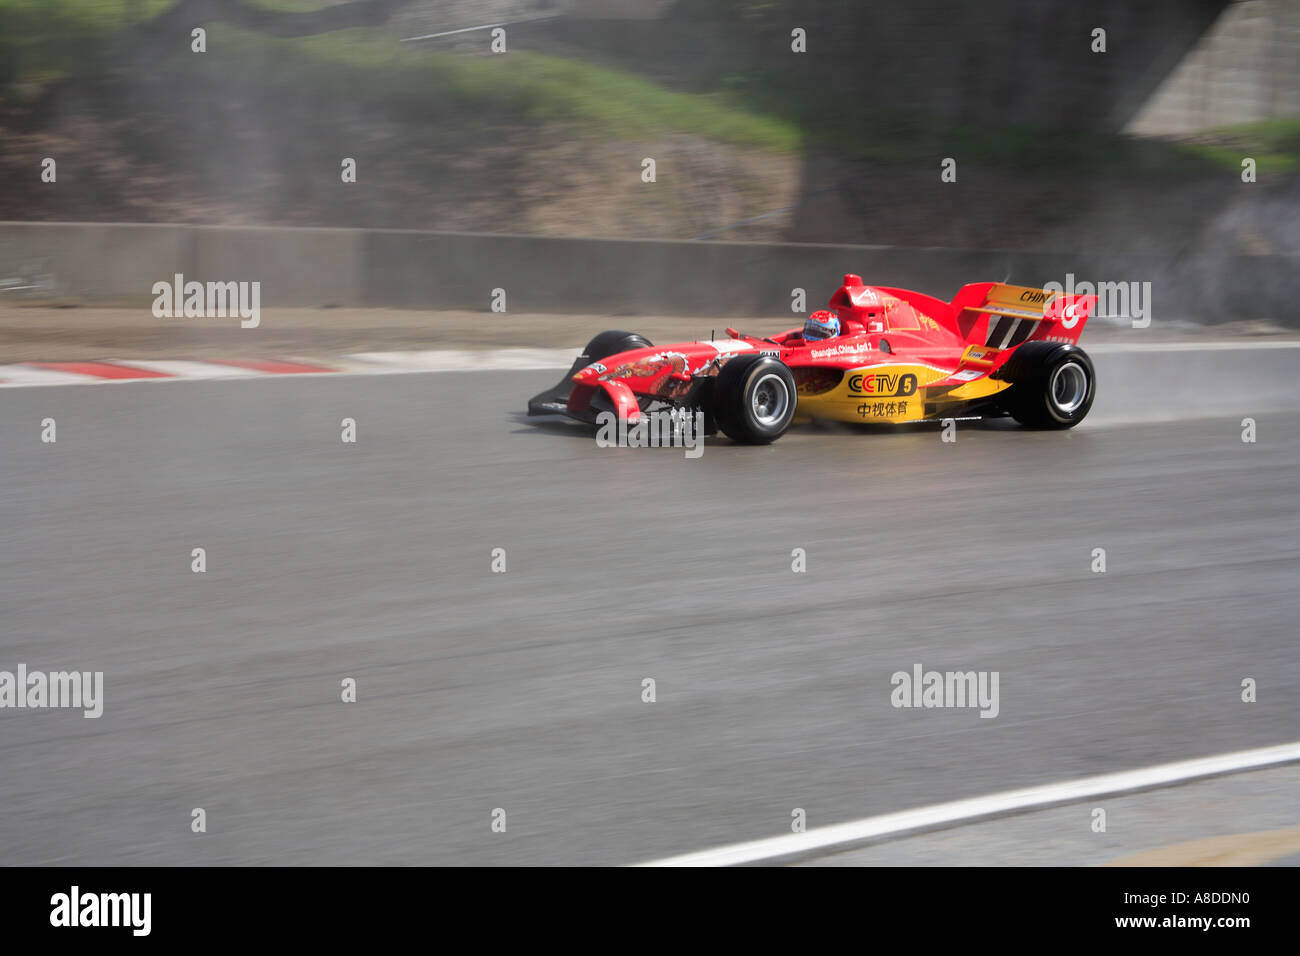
<point x="118" y="263"/>
<point x="111" y="264"/>
<point x="1243" y="70"/>
<point x="426" y="270"/>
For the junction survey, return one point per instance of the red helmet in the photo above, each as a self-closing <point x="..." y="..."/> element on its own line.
<point x="822" y="324"/>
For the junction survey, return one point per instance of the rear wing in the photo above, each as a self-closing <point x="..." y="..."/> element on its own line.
<point x="1000" y="316"/>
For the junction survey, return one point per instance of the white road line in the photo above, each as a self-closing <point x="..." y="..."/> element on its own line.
<point x="960" y="811"/>
<point x="1102" y="348"/>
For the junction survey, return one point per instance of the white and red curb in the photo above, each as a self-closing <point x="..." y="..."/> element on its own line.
<point x="27" y="374"/>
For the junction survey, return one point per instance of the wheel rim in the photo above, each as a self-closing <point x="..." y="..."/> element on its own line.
<point x="769" y="400"/>
<point x="1069" y="387"/>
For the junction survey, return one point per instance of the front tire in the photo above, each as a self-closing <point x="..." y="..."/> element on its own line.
<point x="754" y="399"/>
<point x="554" y="399"/>
<point x="1053" y="385"/>
<point x="612" y="343"/>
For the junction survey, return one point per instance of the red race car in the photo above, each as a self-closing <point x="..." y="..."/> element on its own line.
<point x="877" y="354"/>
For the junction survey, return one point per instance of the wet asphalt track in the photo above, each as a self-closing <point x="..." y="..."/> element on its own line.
<point x="522" y="690"/>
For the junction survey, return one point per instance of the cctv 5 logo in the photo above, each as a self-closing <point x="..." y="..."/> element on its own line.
<point x="1071" y="318"/>
<point x="882" y="383"/>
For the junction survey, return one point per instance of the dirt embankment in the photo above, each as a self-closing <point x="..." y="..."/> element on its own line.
<point x="220" y="156"/>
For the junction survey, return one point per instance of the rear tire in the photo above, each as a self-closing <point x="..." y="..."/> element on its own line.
<point x="1052" y="384"/>
<point x="754" y="399"/>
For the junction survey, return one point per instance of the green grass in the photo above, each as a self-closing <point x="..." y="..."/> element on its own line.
<point x="43" y="40"/>
<point x="1273" y="144"/>
<point x="839" y="122"/>
<point x="46" y="39"/>
<point x="1275" y="136"/>
<point x="359" y="65"/>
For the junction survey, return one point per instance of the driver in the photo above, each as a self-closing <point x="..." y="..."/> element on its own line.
<point x="822" y="324"/>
